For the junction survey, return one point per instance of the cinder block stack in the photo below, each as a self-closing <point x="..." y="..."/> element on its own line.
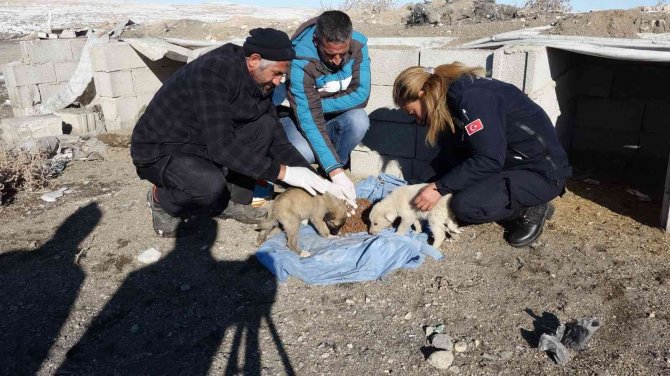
<point x="45" y="67"/>
<point x="126" y="82"/>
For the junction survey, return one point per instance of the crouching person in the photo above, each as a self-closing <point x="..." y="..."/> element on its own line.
<point x="501" y="160"/>
<point x="211" y="131"/>
<point x="328" y="88"/>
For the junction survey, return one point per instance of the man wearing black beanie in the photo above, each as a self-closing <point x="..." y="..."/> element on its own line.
<point x="211" y="131"/>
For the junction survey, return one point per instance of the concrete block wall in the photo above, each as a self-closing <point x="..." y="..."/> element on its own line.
<point x="389" y="144"/>
<point x="622" y="104"/>
<point x="548" y="76"/>
<point x="45" y="67"/>
<point x="126" y="82"/>
<point x="395" y="144"/>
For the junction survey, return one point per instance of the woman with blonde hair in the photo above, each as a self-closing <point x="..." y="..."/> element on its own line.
<point x="500" y="156"/>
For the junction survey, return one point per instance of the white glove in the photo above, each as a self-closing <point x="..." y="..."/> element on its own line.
<point x="343" y="188"/>
<point x="304" y="178"/>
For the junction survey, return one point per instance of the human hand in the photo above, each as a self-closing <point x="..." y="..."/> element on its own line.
<point x="306" y="179"/>
<point x="427" y="197"/>
<point x="344" y="188"/>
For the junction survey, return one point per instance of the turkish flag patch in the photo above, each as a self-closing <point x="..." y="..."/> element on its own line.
<point x="474" y="127"/>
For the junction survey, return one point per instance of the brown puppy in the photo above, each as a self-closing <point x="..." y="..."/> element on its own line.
<point x="290" y="208"/>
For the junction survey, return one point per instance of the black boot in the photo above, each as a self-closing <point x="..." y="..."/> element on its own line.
<point x="528" y="226"/>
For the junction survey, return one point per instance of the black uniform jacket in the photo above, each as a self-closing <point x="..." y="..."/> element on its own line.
<point x="498" y="128"/>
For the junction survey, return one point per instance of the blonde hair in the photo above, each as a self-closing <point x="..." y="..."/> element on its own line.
<point x="434" y="83"/>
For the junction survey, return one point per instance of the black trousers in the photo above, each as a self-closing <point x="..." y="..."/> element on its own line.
<point x="188" y="183"/>
<point x="503" y="196"/>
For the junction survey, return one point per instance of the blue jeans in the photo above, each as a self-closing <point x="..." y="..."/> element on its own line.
<point x="345" y="132"/>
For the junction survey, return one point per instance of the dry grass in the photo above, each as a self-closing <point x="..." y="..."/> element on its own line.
<point x="20" y="171"/>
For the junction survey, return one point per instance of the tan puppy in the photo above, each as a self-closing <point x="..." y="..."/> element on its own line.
<point x="400" y="203"/>
<point x="295" y="205"/>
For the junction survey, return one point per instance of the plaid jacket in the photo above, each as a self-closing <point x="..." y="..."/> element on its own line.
<point x="199" y="109"/>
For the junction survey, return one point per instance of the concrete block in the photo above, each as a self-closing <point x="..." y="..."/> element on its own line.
<point x="370" y="163"/>
<point x="595" y="80"/>
<point x="538" y="69"/>
<point x="143" y="101"/>
<point x="393" y="115"/>
<point x="24" y="96"/>
<point x="509" y="65"/>
<point x="565" y="86"/>
<point x="418" y="42"/>
<point x="613" y="115"/>
<point x="602" y="140"/>
<point x="640" y="82"/>
<point x="18" y="129"/>
<point x="77" y="45"/>
<point x="655" y="145"/>
<point x="20" y="74"/>
<point x="544" y="65"/>
<point x="50" y="90"/>
<point x="380" y="97"/>
<point x="657" y="117"/>
<point x="119" y="112"/>
<point x="381" y="107"/>
<point x="145" y="81"/>
<point x="548" y="100"/>
<point x="21" y="112"/>
<point x="561" y="61"/>
<point x="396" y="139"/>
<point x="386" y="64"/>
<point x="114" y="84"/>
<point x="115" y="56"/>
<point x="79" y="120"/>
<point x="473" y="58"/>
<point x="65" y="70"/>
<point x="44" y="51"/>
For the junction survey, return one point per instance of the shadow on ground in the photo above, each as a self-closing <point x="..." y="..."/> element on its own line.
<point x="611" y="176"/>
<point x="168" y="318"/>
<point x="171" y="317"/>
<point x="37" y="290"/>
<point x="545" y="324"/>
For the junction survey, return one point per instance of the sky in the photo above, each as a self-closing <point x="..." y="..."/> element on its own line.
<point x="577" y="5"/>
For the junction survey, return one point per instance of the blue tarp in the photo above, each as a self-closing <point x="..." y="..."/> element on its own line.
<point x="351" y="258"/>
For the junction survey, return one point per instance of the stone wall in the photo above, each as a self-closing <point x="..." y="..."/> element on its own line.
<point x="46" y="66"/>
<point x="126" y="82"/>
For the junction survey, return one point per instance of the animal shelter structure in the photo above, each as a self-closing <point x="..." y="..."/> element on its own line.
<point x="608" y="98"/>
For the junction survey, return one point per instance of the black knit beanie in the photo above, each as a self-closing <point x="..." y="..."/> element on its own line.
<point x="271" y="44"/>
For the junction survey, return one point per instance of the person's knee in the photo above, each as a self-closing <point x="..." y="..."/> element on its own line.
<point x="464" y="209"/>
<point x="297" y="140"/>
<point x="207" y="187"/>
<point x="460" y="207"/>
<point x="208" y="190"/>
<point x="359" y="122"/>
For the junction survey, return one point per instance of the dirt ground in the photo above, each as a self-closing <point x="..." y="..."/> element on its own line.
<point x="75" y="300"/>
<point x="72" y="280"/>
